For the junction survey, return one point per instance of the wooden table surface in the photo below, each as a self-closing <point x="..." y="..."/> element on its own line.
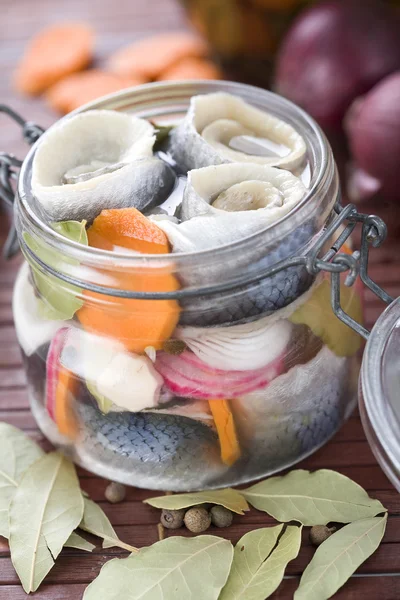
<point x="118" y="23"/>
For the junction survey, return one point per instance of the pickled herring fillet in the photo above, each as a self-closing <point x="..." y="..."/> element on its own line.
<point x="298" y="411"/>
<point x="161" y="450"/>
<point x="205" y="227"/>
<point x="214" y="125"/>
<point x="95" y="160"/>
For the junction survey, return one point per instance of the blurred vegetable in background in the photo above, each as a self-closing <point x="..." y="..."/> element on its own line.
<point x="61" y="71"/>
<point x="336" y="51"/>
<point x="244" y="35"/>
<point x="334" y="58"/>
<point x="373" y="127"/>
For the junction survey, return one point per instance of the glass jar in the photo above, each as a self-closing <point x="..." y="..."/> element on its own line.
<point x="212" y="426"/>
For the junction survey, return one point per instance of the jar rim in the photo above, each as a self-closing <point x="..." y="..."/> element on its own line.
<point x="177" y="90"/>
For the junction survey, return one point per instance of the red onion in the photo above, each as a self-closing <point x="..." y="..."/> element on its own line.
<point x="336" y="51"/>
<point x="373" y="127"/>
<point x="52" y="369"/>
<point x="187" y="376"/>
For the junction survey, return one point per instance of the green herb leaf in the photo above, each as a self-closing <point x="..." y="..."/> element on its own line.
<point x="18" y="453"/>
<point x="46" y="508"/>
<point x="338" y="557"/>
<point x="59" y="300"/>
<point x="162" y="133"/>
<point x="259" y="562"/>
<point x="78" y="542"/>
<point x="175" y="569"/>
<point x="95" y="521"/>
<point x="73" y="230"/>
<point x="228" y="497"/>
<point x="313" y="498"/>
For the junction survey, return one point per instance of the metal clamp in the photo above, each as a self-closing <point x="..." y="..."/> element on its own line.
<point x="374" y="232"/>
<point x="9" y="166"/>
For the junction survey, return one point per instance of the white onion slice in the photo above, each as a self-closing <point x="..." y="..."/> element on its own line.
<point x="241" y="347"/>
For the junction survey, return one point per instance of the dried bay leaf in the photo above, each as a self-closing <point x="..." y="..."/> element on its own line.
<point x="18" y="452"/>
<point x="46" y="508"/>
<point x="231" y="499"/>
<point x="259" y="562"/>
<point x="313" y="498"/>
<point x="95" y="521"/>
<point x="174" y="569"/>
<point x="338" y="557"/>
<point x="78" y="542"/>
<point x="58" y="300"/>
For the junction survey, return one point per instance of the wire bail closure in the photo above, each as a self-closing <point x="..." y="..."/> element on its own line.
<point x="373" y="234"/>
<point x="9" y="166"/>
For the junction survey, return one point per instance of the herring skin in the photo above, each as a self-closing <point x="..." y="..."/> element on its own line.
<point x="253" y="301"/>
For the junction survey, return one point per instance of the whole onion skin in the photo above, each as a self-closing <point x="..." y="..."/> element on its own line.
<point x="336" y="51"/>
<point x="373" y="129"/>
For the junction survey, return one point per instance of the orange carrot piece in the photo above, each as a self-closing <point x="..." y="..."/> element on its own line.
<point x="64" y="413"/>
<point x="191" y="68"/>
<point x="223" y="418"/>
<point x="54" y="53"/>
<point x="153" y="55"/>
<point x="135" y="323"/>
<point x="127" y="227"/>
<point x="79" y="88"/>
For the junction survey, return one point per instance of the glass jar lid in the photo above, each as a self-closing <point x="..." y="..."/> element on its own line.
<point x="380" y="391"/>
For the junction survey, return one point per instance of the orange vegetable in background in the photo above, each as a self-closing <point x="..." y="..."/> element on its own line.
<point x="79" y="88"/>
<point x="54" y="53"/>
<point x="151" y="56"/>
<point x="191" y="68"/>
<point x="135" y="323"/>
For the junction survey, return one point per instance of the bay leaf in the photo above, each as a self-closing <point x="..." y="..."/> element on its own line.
<point x="259" y="562"/>
<point x="59" y="300"/>
<point x="312" y="498"/>
<point x="46" y="508"/>
<point x="228" y="497"/>
<point x="78" y="542"/>
<point x="174" y="569"/>
<point x="162" y="133"/>
<point x="18" y="453"/>
<point x="95" y="521"/>
<point x="338" y="557"/>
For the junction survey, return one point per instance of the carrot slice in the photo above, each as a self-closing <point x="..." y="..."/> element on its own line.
<point x="128" y="228"/>
<point x="153" y="55"/>
<point x="65" y="417"/>
<point x="191" y="68"/>
<point x="54" y="53"/>
<point x="79" y="88"/>
<point x="135" y="323"/>
<point x="223" y="418"/>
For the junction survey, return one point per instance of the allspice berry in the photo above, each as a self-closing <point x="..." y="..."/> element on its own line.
<point x="172" y="519"/>
<point x="320" y="533"/>
<point x="115" y="492"/>
<point x="221" y="516"/>
<point x="197" y="520"/>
